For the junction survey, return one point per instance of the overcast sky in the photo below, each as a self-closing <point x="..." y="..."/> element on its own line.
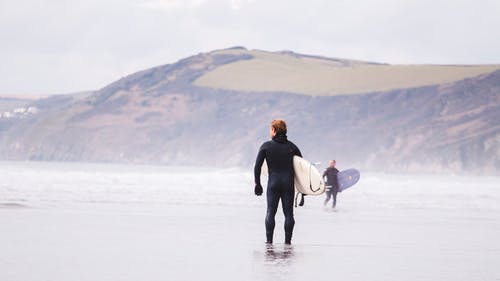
<point x="64" y="46"/>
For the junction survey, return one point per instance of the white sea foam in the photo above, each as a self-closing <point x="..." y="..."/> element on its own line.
<point x="38" y="183"/>
<point x="35" y="183"/>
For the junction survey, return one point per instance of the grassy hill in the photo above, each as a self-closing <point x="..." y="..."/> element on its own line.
<point x="319" y="76"/>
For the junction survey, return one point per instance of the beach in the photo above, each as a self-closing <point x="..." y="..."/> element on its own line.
<point x="61" y="221"/>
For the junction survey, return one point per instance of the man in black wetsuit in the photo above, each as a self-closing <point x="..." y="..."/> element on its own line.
<point x="278" y="154"/>
<point x="332" y="187"/>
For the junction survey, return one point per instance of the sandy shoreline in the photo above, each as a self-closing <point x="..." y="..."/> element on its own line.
<point x="96" y="222"/>
<point x="130" y="241"/>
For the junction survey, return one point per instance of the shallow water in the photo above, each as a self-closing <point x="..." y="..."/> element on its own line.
<point x="114" y="222"/>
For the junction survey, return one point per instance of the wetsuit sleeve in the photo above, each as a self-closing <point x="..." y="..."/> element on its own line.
<point x="297" y="151"/>
<point x="258" y="164"/>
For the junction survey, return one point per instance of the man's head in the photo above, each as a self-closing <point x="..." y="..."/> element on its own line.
<point x="278" y="127"/>
<point x="332" y="163"/>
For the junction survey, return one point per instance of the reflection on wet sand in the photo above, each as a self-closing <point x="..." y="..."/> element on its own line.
<point x="278" y="262"/>
<point x="281" y="254"/>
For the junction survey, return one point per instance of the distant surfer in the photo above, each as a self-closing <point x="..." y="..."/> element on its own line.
<point x="332" y="186"/>
<point x="278" y="153"/>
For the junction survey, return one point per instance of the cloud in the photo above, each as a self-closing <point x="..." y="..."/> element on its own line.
<point x="160" y="4"/>
<point x="238" y="4"/>
<point x="72" y="45"/>
<point x="172" y="4"/>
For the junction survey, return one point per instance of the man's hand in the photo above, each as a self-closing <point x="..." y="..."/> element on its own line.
<point x="258" y="189"/>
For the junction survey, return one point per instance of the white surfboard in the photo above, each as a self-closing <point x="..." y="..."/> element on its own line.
<point x="308" y="179"/>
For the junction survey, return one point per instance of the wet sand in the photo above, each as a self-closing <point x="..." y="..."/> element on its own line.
<point x="136" y="242"/>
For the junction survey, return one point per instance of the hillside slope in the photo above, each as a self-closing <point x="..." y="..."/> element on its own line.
<point x="160" y="116"/>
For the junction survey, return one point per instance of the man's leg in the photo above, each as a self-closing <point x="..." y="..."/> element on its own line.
<point x="335" y="191"/>
<point x="272" y="207"/>
<point x="287" y="204"/>
<point x="328" y="195"/>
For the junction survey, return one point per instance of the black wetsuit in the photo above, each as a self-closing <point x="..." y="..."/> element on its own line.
<point x="332" y="185"/>
<point x="278" y="154"/>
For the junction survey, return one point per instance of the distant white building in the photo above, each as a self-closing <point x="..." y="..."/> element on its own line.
<point x="20" y="110"/>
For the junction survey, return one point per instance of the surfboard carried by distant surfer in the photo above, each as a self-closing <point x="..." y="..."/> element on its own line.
<point x="347" y="178"/>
